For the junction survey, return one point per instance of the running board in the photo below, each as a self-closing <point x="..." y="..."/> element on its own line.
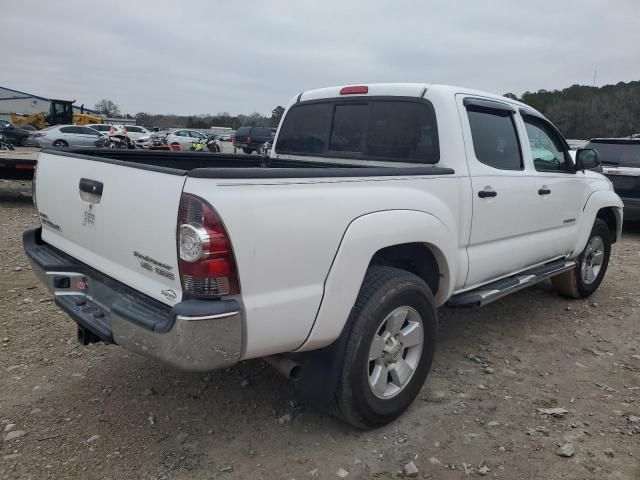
<point x="493" y="291"/>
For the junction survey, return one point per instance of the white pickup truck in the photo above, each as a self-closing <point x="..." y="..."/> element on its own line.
<point x="378" y="204"/>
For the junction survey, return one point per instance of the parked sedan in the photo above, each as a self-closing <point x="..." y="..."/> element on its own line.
<point x="13" y="134"/>
<point x="66" y="136"/>
<point x="184" y="138"/>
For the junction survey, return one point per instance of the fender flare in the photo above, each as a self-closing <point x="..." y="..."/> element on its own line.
<point x="365" y="236"/>
<point x="595" y="202"/>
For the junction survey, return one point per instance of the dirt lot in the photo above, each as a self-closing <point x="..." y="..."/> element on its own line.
<point x="100" y="412"/>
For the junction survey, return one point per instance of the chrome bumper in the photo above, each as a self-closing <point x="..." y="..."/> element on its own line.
<point x="193" y="335"/>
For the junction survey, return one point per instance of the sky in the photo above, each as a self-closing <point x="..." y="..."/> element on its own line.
<point x="193" y="57"/>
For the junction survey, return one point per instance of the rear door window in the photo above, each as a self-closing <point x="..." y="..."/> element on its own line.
<point x="495" y="140"/>
<point x="374" y="129"/>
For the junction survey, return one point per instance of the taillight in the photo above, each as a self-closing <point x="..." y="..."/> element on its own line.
<point x="207" y="264"/>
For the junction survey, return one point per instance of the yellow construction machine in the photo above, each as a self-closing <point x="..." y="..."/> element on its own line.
<point x="60" y="113"/>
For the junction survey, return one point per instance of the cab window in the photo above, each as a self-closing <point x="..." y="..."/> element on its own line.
<point x="547" y="148"/>
<point x="495" y="140"/>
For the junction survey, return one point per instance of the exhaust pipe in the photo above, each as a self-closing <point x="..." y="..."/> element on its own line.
<point x="285" y="366"/>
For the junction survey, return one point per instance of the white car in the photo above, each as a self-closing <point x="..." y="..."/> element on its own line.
<point x="135" y="132"/>
<point x="378" y="204"/>
<point x="184" y="137"/>
<point x="105" y="128"/>
<point x="62" y="136"/>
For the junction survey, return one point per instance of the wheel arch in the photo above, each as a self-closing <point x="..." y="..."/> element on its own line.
<point x="417" y="258"/>
<point x="382" y="238"/>
<point x="613" y="218"/>
<point x="601" y="204"/>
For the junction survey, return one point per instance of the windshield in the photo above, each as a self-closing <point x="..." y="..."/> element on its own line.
<point x="622" y="153"/>
<point x="362" y="128"/>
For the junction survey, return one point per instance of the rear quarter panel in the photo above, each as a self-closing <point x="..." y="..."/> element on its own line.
<point x="286" y="234"/>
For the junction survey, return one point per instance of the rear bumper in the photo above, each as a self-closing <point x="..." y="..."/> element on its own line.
<point x="193" y="335"/>
<point x="631" y="208"/>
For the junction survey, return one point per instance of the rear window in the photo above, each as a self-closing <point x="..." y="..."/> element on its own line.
<point x="374" y="129"/>
<point x="261" y="132"/>
<point x="243" y="131"/>
<point x="621" y="153"/>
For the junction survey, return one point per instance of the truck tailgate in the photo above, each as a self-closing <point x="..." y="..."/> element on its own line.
<point x="117" y="219"/>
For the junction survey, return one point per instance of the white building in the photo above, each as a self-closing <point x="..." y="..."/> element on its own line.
<point x="27" y="103"/>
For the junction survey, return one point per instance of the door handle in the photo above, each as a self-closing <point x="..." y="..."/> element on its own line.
<point x="487" y="193"/>
<point x="544" y="191"/>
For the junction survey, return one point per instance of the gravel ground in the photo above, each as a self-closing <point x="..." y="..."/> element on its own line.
<point x="76" y="412"/>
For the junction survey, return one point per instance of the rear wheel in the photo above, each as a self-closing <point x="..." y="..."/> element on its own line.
<point x="390" y="346"/>
<point x="23" y="141"/>
<point x="591" y="265"/>
<point x="60" y="144"/>
<point x="248" y="151"/>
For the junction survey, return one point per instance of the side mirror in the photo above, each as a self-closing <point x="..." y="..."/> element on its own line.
<point x="588" y="159"/>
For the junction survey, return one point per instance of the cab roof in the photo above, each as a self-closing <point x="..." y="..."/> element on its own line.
<point x="401" y="90"/>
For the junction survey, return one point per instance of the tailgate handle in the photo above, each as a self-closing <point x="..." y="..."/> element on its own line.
<point x="90" y="190"/>
<point x="90" y="186"/>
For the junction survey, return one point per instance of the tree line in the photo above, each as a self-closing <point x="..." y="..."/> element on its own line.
<point x="583" y="112"/>
<point x="110" y="109"/>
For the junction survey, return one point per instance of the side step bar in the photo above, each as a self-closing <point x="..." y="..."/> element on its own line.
<point x="493" y="291"/>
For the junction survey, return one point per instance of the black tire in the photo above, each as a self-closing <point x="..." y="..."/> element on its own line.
<point x="60" y="144"/>
<point x="248" y="151"/>
<point x="384" y="290"/>
<point x="572" y="284"/>
<point x="23" y="141"/>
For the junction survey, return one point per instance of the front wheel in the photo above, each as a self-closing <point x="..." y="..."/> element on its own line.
<point x="591" y="265"/>
<point x="390" y="346"/>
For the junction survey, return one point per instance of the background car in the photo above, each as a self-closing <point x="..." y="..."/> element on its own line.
<point x="66" y="136"/>
<point x="12" y="134"/>
<point x="184" y="138"/>
<point x="135" y="132"/>
<point x="249" y="139"/>
<point x="620" y="159"/>
<point x="104" y="128"/>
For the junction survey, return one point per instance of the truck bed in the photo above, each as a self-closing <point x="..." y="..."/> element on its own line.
<point x="216" y="165"/>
